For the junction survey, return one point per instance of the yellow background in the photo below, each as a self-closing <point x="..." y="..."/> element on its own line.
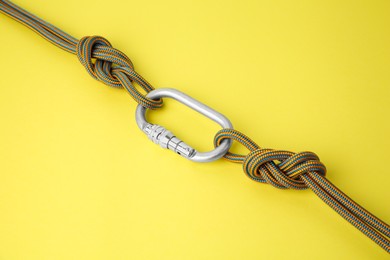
<point x="78" y="180"/>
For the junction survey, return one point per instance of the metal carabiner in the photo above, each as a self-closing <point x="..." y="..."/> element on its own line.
<point x="167" y="140"/>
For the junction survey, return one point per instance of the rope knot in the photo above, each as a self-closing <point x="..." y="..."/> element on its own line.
<point x="112" y="67"/>
<point x="282" y="169"/>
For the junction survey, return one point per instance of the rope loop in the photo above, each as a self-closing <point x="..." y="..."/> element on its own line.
<point x="237" y="136"/>
<point x="112" y="67"/>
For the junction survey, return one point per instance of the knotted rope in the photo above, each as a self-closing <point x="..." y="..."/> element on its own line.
<point x="113" y="68"/>
<point x="283" y="169"/>
<point x="103" y="62"/>
<point x="260" y="166"/>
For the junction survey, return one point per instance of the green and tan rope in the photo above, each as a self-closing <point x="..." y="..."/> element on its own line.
<point x="288" y="170"/>
<point x="112" y="67"/>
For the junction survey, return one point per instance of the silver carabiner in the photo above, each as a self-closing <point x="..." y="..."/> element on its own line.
<point x="167" y="140"/>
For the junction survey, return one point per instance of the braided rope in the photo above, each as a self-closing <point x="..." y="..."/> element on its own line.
<point x="103" y="62"/>
<point x="284" y="169"/>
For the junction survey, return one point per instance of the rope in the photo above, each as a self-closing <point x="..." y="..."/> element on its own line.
<point x="103" y="62"/>
<point x="284" y="169"/>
